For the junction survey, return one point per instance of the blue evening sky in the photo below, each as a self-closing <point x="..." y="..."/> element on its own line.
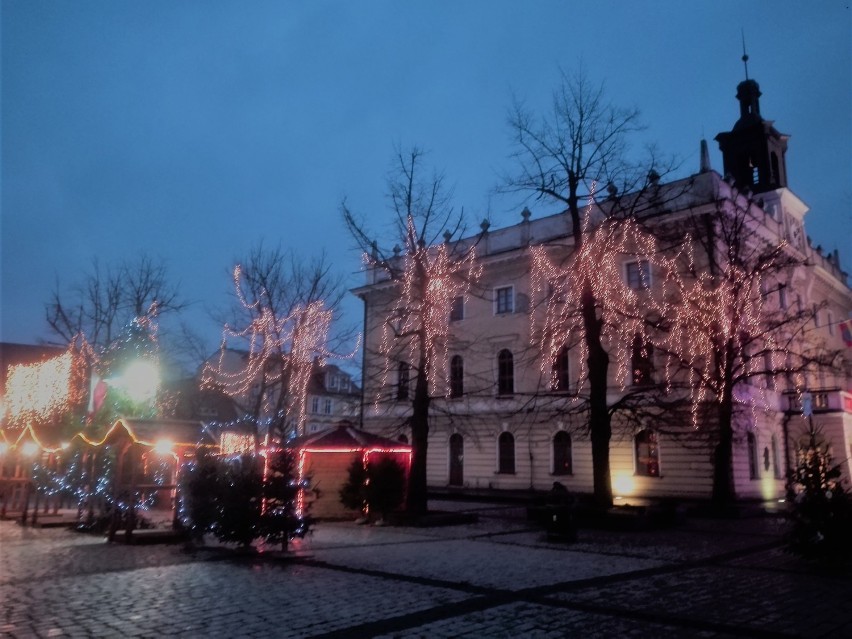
<point x="191" y="131"/>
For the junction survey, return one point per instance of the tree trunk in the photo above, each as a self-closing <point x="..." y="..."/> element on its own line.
<point x="600" y="427"/>
<point x="723" y="466"/>
<point x="416" y="499"/>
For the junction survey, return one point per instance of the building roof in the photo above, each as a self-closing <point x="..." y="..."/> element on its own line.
<point x="345" y="435"/>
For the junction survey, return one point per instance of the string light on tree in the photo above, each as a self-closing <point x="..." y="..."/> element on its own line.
<point x="557" y="286"/>
<point x="432" y="277"/>
<point x="282" y="350"/>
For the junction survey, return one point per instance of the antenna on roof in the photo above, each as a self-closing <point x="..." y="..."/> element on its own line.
<point x="745" y="55"/>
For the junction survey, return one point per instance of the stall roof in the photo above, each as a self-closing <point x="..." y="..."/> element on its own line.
<point x="345" y="435"/>
<point x="180" y="432"/>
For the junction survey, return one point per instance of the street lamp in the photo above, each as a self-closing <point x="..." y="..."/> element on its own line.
<point x="139" y="381"/>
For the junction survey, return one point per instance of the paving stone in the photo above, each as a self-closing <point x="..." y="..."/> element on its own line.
<point x="497" y="577"/>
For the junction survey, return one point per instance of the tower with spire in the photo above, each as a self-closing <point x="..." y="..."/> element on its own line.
<point x="753" y="151"/>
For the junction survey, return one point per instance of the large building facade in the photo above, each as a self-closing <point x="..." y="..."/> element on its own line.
<point x="500" y="419"/>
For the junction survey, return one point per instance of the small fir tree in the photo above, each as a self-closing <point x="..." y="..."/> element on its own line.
<point x="241" y="497"/>
<point x="280" y="520"/>
<point x="201" y="493"/>
<point x="821" y="514"/>
<point x="239" y="503"/>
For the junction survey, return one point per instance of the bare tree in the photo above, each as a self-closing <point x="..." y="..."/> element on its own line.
<point x="109" y="297"/>
<point x="279" y="324"/>
<point x="426" y="269"/>
<point x="737" y="326"/>
<point x="560" y="157"/>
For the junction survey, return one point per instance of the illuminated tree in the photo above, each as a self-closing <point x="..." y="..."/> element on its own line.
<point x="560" y="157"/>
<point x="426" y="274"/>
<point x="282" y="320"/>
<point x="128" y="370"/>
<point x="737" y="326"/>
<point x="112" y="318"/>
<point x="108" y="298"/>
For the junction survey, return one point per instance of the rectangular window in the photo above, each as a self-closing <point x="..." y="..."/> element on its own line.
<point x="782" y="296"/>
<point x="315" y="405"/>
<point x="638" y="275"/>
<point x="647" y="453"/>
<point x="327" y="407"/>
<point x="504" y="300"/>
<point x="457" y="309"/>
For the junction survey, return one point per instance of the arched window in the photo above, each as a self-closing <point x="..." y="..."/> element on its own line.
<point x="403" y="438"/>
<point x="505" y="373"/>
<point x="752" y="456"/>
<point x="641" y="362"/>
<point x="647" y="454"/>
<point x="560" y="375"/>
<point x="456" y="460"/>
<point x="402" y="381"/>
<point x="506" y="453"/>
<point x="776" y="461"/>
<point x="456" y="376"/>
<point x="562" y="454"/>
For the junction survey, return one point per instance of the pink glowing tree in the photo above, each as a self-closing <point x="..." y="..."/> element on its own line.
<point x="559" y="158"/>
<point x="738" y="331"/>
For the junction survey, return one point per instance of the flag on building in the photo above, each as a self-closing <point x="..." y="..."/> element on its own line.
<point x="846" y="332"/>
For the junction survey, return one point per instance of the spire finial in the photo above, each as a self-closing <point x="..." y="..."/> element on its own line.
<point x="745" y="55"/>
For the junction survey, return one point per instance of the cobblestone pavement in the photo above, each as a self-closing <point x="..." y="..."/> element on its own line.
<point x="498" y="577"/>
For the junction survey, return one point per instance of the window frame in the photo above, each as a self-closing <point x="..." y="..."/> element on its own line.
<point x="505" y="465"/>
<point x="403" y="382"/>
<point x="505" y="373"/>
<point x="504" y="304"/>
<point x="456" y="377"/>
<point x="457" y="308"/>
<point x="647" y="463"/>
<point x="560" y="374"/>
<point x="641" y="362"/>
<point x="567" y="455"/>
<point x="751" y="451"/>
<point x="777" y="471"/>
<point x="643" y="266"/>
